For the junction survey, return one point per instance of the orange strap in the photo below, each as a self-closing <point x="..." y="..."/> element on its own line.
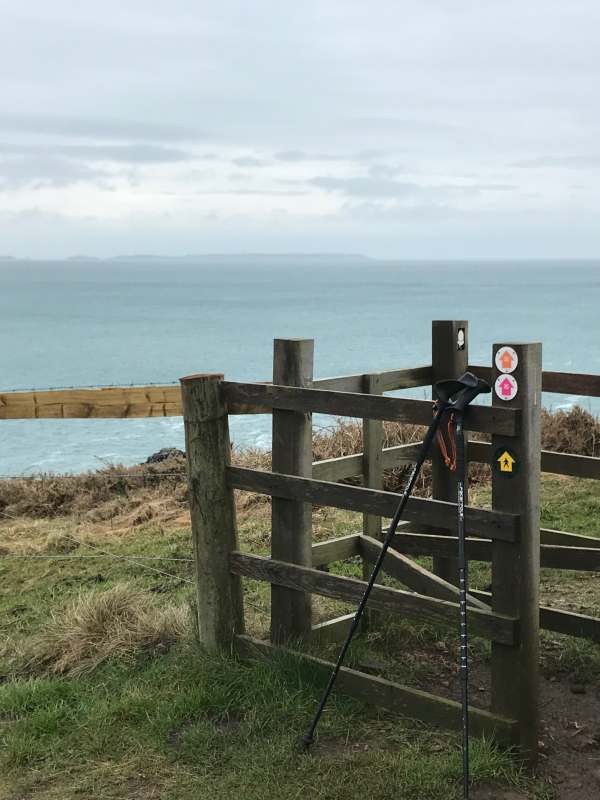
<point x="449" y="459"/>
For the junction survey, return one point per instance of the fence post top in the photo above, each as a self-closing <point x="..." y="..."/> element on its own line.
<point x="292" y="339"/>
<point x="203" y="376"/>
<point x="510" y="343"/>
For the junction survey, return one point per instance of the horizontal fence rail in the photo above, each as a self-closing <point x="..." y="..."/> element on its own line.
<point x="551" y="619"/>
<point x="349" y="404"/>
<point x="391" y="380"/>
<point x="335" y="469"/>
<point x="123" y="402"/>
<point x="557" y="463"/>
<point x="558" y="621"/>
<point x="567" y="539"/>
<point x="438" y="513"/>
<point x="484" y="623"/>
<point x="164" y="401"/>
<point x="379" y="692"/>
<point x="556" y="382"/>
<point x="105" y="403"/>
<point x="582" y="559"/>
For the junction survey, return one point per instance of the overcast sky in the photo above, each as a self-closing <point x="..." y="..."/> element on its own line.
<point x="430" y="128"/>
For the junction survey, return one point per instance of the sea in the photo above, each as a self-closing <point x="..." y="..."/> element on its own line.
<point x="142" y="320"/>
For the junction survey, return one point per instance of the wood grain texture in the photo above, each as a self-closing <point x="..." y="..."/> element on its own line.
<point x="335" y="549"/>
<point x="381" y="693"/>
<point x="447" y="362"/>
<point x="558" y="382"/>
<point x="337" y="469"/>
<point x="411" y="574"/>
<point x="350" y="404"/>
<point x="582" y="559"/>
<point x="422" y="544"/>
<point x="212" y="511"/>
<point x="497" y="627"/>
<point x="570" y="557"/>
<point x="291" y="518"/>
<point x="105" y="403"/>
<point x="332" y="631"/>
<point x="372" y="477"/>
<point x="516" y="567"/>
<point x="566" y="539"/>
<point x="391" y="380"/>
<point x="406" y="378"/>
<point x="557" y="463"/>
<point x="436" y="513"/>
<point x="571" y="383"/>
<point x="372" y="457"/>
<point x="581" y="626"/>
<point x="131" y="402"/>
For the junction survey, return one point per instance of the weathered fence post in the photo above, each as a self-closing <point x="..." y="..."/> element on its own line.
<point x="372" y="455"/>
<point x="372" y="473"/>
<point x="516" y="565"/>
<point x="449" y="359"/>
<point x="214" y="532"/>
<point x="291" y="519"/>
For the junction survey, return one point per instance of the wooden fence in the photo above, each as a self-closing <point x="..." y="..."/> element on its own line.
<point x="508" y="535"/>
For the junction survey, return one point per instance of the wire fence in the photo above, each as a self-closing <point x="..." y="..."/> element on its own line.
<point x="100" y="553"/>
<point x="49" y="476"/>
<point x="90" y="386"/>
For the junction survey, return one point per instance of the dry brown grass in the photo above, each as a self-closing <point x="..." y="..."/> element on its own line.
<point x="135" y="495"/>
<point x="107" y="491"/>
<point x="573" y="431"/>
<point x="120" y="622"/>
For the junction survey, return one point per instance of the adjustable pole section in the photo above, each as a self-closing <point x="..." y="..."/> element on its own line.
<point x="308" y="737"/>
<point x="462" y="597"/>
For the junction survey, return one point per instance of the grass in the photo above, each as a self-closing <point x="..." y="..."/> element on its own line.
<point x="105" y="692"/>
<point x="119" y="622"/>
<point x="174" y="722"/>
<point x="192" y="725"/>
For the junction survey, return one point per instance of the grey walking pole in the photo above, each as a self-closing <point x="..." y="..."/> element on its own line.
<point x="445" y="390"/>
<point x="462" y="401"/>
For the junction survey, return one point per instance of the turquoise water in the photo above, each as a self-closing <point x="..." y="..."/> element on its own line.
<point x="75" y="323"/>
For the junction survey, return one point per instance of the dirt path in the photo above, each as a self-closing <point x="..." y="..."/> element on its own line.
<point x="569" y="736"/>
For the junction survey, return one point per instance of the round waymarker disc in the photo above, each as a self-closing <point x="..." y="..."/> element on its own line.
<point x="506" y="387"/>
<point x="506" y="359"/>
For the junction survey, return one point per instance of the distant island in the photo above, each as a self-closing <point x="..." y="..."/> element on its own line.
<point x="191" y="258"/>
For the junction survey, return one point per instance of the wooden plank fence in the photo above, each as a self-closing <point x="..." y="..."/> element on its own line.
<point x="507" y="534"/>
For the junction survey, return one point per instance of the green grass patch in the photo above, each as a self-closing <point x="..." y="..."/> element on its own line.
<point x="179" y="723"/>
<point x="193" y="725"/>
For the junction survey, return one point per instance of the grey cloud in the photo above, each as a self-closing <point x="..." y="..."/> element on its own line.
<point x="365" y="186"/>
<point x="565" y="162"/>
<point x="45" y="170"/>
<point x="62" y="165"/>
<point x="141" y="153"/>
<point x="453" y="92"/>
<point x="379" y="170"/>
<point x="382" y="187"/>
<point x="249" y="161"/>
<point x="373" y="211"/>
<point x="130" y="153"/>
<point x="258" y="192"/>
<point x="94" y="127"/>
<point x="298" y="156"/>
<point x="370" y="154"/>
